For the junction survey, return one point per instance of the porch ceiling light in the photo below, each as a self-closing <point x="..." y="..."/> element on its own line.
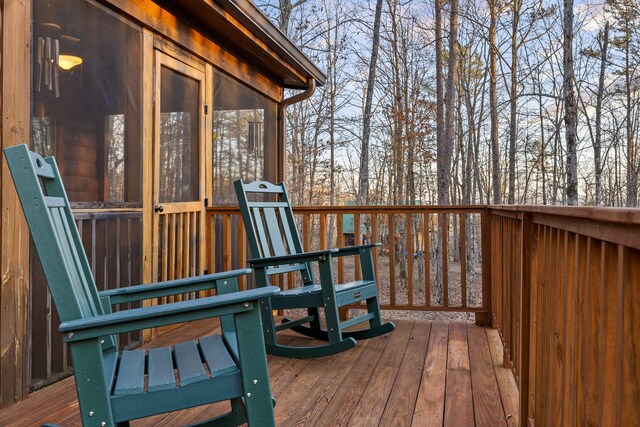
<point x="67" y="62"/>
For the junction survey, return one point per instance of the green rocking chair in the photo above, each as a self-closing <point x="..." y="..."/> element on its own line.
<point x="276" y="247"/>
<point x="114" y="387"/>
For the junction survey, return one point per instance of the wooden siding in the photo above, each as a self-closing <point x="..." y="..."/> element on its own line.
<point x="567" y="297"/>
<point x="422" y="374"/>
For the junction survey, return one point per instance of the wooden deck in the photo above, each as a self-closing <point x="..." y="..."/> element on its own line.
<point x="422" y="374"/>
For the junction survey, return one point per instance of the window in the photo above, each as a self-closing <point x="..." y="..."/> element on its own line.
<point x="86" y="100"/>
<point x="244" y="137"/>
<point x="179" y="122"/>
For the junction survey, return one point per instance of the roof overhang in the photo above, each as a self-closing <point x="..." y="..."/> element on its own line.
<point x="241" y="28"/>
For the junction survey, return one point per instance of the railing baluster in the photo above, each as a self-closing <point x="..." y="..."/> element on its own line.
<point x="306" y="232"/>
<point x="93" y="247"/>
<point x="117" y="281"/>
<point x="323" y="231"/>
<point x="187" y="239"/>
<point x="463" y="259"/>
<point x="426" y="230"/>
<point x="179" y="250"/>
<point x="226" y="242"/>
<point x="356" y="241"/>
<point x="242" y="252"/>
<point x="340" y="243"/>
<point x="105" y="253"/>
<point x="374" y="239"/>
<point x="392" y="260"/>
<point x="445" y="260"/>
<point x="409" y="244"/>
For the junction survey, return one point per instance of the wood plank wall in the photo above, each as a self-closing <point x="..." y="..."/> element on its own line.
<point x="567" y="304"/>
<point x="14" y="253"/>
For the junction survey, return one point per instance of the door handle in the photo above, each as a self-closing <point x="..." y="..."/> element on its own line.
<point x="158" y="208"/>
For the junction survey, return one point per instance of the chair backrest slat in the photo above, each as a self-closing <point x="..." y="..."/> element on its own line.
<point x="271" y="227"/>
<point x="287" y="232"/>
<point x="54" y="232"/>
<point x="275" y="235"/>
<point x="78" y="279"/>
<point x="263" y="247"/>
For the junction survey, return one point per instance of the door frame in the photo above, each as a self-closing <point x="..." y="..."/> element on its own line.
<point x="155" y="56"/>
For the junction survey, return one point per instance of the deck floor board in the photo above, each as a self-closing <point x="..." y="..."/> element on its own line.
<point x="433" y="373"/>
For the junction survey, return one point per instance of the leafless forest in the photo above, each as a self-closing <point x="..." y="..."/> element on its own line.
<point x="466" y="101"/>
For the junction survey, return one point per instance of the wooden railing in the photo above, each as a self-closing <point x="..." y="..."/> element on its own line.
<point x="566" y="299"/>
<point x="562" y="285"/>
<point x="412" y="273"/>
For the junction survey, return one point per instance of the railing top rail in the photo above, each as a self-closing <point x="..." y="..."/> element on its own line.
<point x="628" y="216"/>
<point x="370" y="209"/>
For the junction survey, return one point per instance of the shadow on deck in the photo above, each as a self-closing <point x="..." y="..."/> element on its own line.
<point x="422" y="374"/>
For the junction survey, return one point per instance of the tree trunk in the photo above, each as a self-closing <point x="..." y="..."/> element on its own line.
<point x="363" y="184"/>
<point x="570" y="106"/>
<point x="493" y="103"/>
<point x="597" y="145"/>
<point x="513" y="101"/>
<point x="445" y="148"/>
<point x="632" y="167"/>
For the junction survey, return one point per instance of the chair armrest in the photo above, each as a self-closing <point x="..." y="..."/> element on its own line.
<point x="355" y="250"/>
<point x="292" y="259"/>
<point x="171" y="287"/>
<point x="161" y="315"/>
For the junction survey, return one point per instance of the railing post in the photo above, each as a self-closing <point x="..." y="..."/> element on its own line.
<point x="486" y="319"/>
<point x="527" y="248"/>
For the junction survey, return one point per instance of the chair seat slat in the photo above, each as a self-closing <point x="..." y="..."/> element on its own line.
<point x="216" y="355"/>
<point x="130" y="378"/>
<point x="189" y="363"/>
<point x="161" y="373"/>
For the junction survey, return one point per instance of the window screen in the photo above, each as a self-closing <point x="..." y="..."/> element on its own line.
<point x="86" y="100"/>
<point x="244" y="137"/>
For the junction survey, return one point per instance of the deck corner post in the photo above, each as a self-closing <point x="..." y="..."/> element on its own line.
<point x="486" y="318"/>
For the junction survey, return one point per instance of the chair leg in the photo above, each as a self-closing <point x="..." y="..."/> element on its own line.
<point x="92" y="389"/>
<point x="315" y="323"/>
<point x="253" y="369"/>
<point x="330" y="302"/>
<point x="268" y="324"/>
<point x="374" y="307"/>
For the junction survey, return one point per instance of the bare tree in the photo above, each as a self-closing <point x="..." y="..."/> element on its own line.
<point x="363" y="190"/>
<point x="493" y="102"/>
<point x="570" y="106"/>
<point x="597" y="144"/>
